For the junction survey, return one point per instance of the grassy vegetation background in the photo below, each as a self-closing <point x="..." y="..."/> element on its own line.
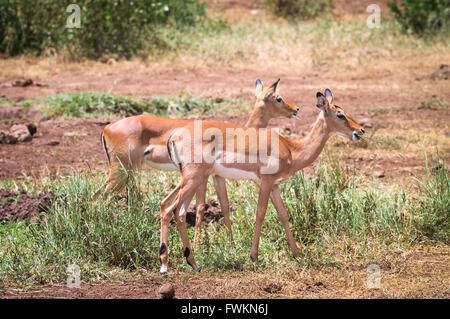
<point x="335" y="216"/>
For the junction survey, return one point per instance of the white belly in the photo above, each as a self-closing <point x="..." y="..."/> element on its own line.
<point x="233" y="173"/>
<point x="162" y="166"/>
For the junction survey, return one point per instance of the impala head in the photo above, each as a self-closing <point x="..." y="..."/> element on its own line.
<point x="271" y="100"/>
<point x="338" y="121"/>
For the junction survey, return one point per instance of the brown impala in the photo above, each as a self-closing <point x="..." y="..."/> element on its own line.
<point x="262" y="156"/>
<point x="132" y="139"/>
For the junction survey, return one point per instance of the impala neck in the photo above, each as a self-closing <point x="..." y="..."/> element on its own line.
<point x="307" y="151"/>
<point x="259" y="118"/>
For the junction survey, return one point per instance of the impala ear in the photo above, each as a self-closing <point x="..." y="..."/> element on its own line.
<point x="321" y="102"/>
<point x="259" y="88"/>
<point x="329" y="96"/>
<point x="273" y="88"/>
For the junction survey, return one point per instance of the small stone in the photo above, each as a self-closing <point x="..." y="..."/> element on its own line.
<point x="378" y="173"/>
<point x="366" y="122"/>
<point x="20" y="132"/>
<point x="167" y="291"/>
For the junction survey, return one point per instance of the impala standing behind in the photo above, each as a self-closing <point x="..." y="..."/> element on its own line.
<point x="133" y="139"/>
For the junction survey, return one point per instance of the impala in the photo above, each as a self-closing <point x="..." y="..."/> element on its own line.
<point x="133" y="139"/>
<point x="219" y="152"/>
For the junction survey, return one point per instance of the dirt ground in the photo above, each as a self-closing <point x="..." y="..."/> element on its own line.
<point x="64" y="145"/>
<point x="417" y="274"/>
<point x="52" y="147"/>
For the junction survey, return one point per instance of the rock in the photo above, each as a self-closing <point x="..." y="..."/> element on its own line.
<point x="20" y="132"/>
<point x="23" y="83"/>
<point x="7" y="138"/>
<point x="443" y="73"/>
<point x="167" y="291"/>
<point x="111" y="61"/>
<point x="366" y="122"/>
<point x="378" y="173"/>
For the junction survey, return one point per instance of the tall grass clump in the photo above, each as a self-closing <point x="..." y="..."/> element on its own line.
<point x="335" y="217"/>
<point x="433" y="208"/>
<point x="123" y="28"/>
<point x="95" y="235"/>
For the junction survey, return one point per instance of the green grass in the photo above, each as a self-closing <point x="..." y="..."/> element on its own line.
<point x="433" y="104"/>
<point x="338" y="218"/>
<point x="98" y="104"/>
<point x="380" y="142"/>
<point x="5" y="101"/>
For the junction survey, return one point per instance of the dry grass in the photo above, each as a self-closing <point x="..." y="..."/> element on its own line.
<point x="344" y="49"/>
<point x="417" y="273"/>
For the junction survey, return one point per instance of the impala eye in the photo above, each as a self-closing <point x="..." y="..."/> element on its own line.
<point x="341" y="116"/>
<point x="279" y="99"/>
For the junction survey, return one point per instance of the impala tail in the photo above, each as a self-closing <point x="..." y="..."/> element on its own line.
<point x="105" y="148"/>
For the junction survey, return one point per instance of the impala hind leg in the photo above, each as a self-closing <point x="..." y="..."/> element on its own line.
<point x="200" y="199"/>
<point x="178" y="199"/>
<point x="117" y="179"/>
<point x="221" y="190"/>
<point x="180" y="217"/>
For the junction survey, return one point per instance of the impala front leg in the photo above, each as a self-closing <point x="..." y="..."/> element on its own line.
<point x="277" y="201"/>
<point x="166" y="216"/>
<point x="263" y="199"/>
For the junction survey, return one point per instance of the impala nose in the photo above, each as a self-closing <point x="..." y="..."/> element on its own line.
<point x="362" y="131"/>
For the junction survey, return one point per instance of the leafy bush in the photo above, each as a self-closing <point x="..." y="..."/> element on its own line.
<point x="298" y="9"/>
<point x="92" y="104"/>
<point x="107" y="27"/>
<point x="421" y="17"/>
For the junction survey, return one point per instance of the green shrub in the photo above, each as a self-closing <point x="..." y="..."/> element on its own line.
<point x="92" y="104"/>
<point x="95" y="104"/>
<point x="298" y="9"/>
<point x="107" y="27"/>
<point x="422" y="17"/>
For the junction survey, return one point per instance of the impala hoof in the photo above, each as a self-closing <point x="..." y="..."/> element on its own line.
<point x="163" y="270"/>
<point x="254" y="258"/>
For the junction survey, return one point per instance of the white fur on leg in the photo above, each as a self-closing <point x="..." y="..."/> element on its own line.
<point x="163" y="269"/>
